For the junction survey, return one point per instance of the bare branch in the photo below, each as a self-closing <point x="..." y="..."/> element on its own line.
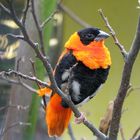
<point x="106" y="119"/>
<point x="14" y="125"/>
<point x="34" y="71"/>
<point x="5" y="9"/>
<point x="38" y="27"/>
<point x="19" y="74"/>
<point x="125" y="82"/>
<point x="112" y="32"/>
<point x="137" y="138"/>
<point x="70" y="131"/>
<point x="135" y="133"/>
<point x="73" y="16"/>
<point x="19" y="83"/>
<point x="15" y="36"/>
<point x="94" y="130"/>
<point x="25" y="10"/>
<point x="19" y="107"/>
<point x="132" y="89"/>
<point x="122" y="132"/>
<point x="47" y="20"/>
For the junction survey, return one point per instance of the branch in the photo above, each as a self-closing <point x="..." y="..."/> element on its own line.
<point x="73" y="16"/>
<point x="15" y="36"/>
<point x="122" y="132"/>
<point x="70" y="131"/>
<point x="49" y="70"/>
<point x="47" y="20"/>
<point x="125" y="82"/>
<point x="106" y="119"/>
<point x="21" y="75"/>
<point x="25" y="11"/>
<point x="20" y="83"/>
<point x="14" y="125"/>
<point x="131" y="89"/>
<point x="19" y="107"/>
<point x="135" y="133"/>
<point x="137" y="138"/>
<point x="39" y="29"/>
<point x="34" y="71"/>
<point x="113" y="34"/>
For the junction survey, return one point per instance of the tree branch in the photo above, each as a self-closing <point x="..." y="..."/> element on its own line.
<point x="47" y="19"/>
<point x="125" y="82"/>
<point x="25" y="11"/>
<point x="21" y="75"/>
<point x="14" y="125"/>
<point x="135" y="133"/>
<point x="113" y="34"/>
<point x="19" y="107"/>
<point x="19" y="83"/>
<point x="137" y="138"/>
<point x="39" y="29"/>
<point x="122" y="132"/>
<point x="70" y="131"/>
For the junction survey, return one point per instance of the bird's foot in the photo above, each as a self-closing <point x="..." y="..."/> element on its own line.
<point x="80" y="119"/>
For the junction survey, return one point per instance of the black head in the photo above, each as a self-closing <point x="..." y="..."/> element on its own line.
<point x="90" y="34"/>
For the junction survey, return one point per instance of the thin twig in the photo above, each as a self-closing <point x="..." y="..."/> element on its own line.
<point x="94" y="130"/>
<point x="122" y="132"/>
<point x="15" y="36"/>
<point x="25" y="11"/>
<point x="14" y="125"/>
<point x="135" y="133"/>
<point x="47" y="20"/>
<point x="70" y="131"/>
<point x="17" y="82"/>
<point x="38" y="27"/>
<point x="34" y="71"/>
<point x="112" y="32"/>
<point x="137" y="138"/>
<point x="19" y="74"/>
<point x="19" y="107"/>
<point x="132" y="89"/>
<point x="5" y="9"/>
<point x="73" y="16"/>
<point x="106" y="119"/>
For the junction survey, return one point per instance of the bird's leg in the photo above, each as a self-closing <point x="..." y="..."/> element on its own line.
<point x="80" y="119"/>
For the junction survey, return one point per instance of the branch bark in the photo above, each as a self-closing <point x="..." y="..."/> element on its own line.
<point x="126" y="75"/>
<point x="113" y="34"/>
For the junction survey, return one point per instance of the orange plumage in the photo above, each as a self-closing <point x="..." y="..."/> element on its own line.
<point x="57" y="117"/>
<point x="94" y="55"/>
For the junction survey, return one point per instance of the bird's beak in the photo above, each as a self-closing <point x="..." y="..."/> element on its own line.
<point x="102" y="35"/>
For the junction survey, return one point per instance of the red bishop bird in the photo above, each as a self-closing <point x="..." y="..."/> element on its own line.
<point x="81" y="70"/>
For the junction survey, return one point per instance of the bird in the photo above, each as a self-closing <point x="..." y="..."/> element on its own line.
<point x="81" y="70"/>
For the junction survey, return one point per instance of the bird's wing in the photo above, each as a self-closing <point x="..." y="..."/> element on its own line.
<point x="63" y="68"/>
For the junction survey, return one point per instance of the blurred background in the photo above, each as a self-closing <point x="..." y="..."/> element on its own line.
<point x="123" y="17"/>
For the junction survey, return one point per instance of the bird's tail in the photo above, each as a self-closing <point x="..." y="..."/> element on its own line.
<point x="57" y="117"/>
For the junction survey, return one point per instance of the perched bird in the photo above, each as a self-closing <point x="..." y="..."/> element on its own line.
<point x="81" y="70"/>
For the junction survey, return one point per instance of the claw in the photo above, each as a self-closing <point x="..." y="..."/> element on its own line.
<point x="80" y="119"/>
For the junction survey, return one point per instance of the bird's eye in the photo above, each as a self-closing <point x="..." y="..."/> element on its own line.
<point x="90" y="36"/>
